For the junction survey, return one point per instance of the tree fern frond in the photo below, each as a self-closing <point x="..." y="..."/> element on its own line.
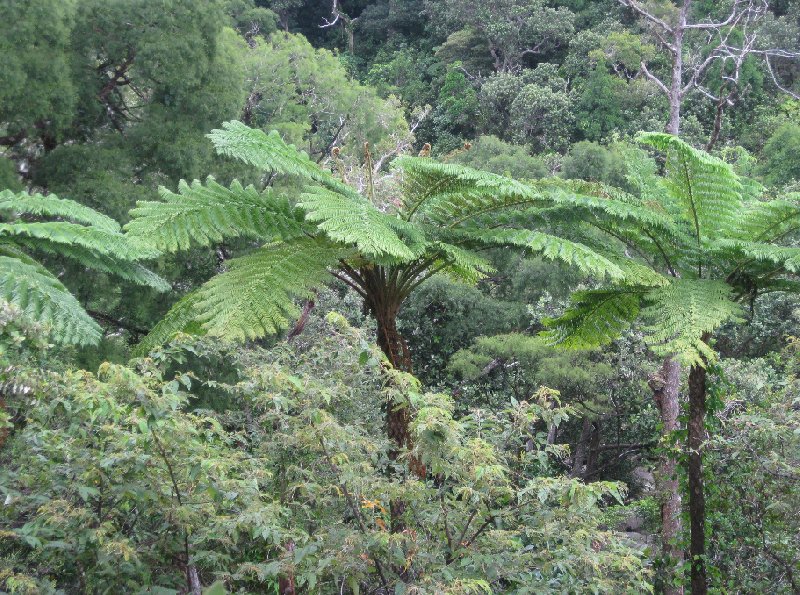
<point x="207" y="214"/>
<point x="357" y="222"/>
<point x="46" y="234"/>
<point x="679" y="314"/>
<point x="552" y="247"/>
<point x="706" y="188"/>
<point x="181" y="318"/>
<point x="595" y="317"/>
<point x="769" y="221"/>
<point x="786" y="257"/>
<point x="269" y="152"/>
<point x="462" y="265"/>
<point x="254" y="297"/>
<point x="450" y="193"/>
<point x="606" y="202"/>
<point x="52" y="206"/>
<point x="44" y="299"/>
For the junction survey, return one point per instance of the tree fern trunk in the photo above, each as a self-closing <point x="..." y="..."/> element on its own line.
<point x="665" y="386"/>
<point x="697" y="502"/>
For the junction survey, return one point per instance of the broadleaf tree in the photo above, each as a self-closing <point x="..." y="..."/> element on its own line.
<point x="724" y="246"/>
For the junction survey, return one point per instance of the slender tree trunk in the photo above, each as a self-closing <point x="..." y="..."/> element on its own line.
<point x="697" y="501"/>
<point x="712" y="141"/>
<point x="666" y="386"/>
<point x="594" y="448"/>
<point x="581" y="447"/>
<point x="3" y="431"/>
<point x="676" y="82"/>
<point x="286" y="584"/>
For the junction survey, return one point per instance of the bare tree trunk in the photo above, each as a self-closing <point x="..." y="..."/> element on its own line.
<point x="581" y="448"/>
<point x="286" y="584"/>
<point x="676" y="82"/>
<point x="3" y="431"/>
<point x="697" y="501"/>
<point x="665" y="386"/>
<point x="594" y="448"/>
<point x="195" y="587"/>
<point x="717" y="124"/>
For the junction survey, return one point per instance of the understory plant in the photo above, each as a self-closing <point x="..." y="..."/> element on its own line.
<point x="116" y="482"/>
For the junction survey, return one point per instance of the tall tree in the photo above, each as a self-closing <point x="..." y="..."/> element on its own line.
<point x="694" y="42"/>
<point x="718" y="245"/>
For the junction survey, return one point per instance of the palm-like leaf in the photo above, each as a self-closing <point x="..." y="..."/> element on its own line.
<point x="43" y="298"/>
<point x="206" y="214"/>
<point x="679" y="314"/>
<point x="89" y="238"/>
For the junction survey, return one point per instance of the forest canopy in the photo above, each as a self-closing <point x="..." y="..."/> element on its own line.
<point x="399" y="296"/>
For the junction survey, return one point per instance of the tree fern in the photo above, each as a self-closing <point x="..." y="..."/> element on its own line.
<point x="448" y="214"/>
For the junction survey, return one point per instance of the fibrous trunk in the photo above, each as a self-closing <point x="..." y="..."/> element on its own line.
<point x="697" y="502"/>
<point x="665" y="386"/>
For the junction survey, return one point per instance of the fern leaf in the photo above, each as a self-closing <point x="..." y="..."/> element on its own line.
<point x="254" y="297"/>
<point x="462" y="265"/>
<point x="595" y="317"/>
<point x="181" y="318"/>
<point x="358" y="222"/>
<point x="679" y="314"/>
<point x="207" y="214"/>
<point x="706" y="188"/>
<point x="39" y="205"/>
<point x="552" y="247"/>
<point x="46" y="235"/>
<point x="269" y="152"/>
<point x="786" y="257"/>
<point x="452" y="194"/>
<point x="44" y="299"/>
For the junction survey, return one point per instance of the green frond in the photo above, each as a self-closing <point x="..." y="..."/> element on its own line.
<point x="552" y="247"/>
<point x="44" y="299"/>
<point x="679" y="314"/>
<point x="635" y="273"/>
<point x="208" y="214"/>
<point x="40" y="205"/>
<point x="49" y="234"/>
<point x="740" y="250"/>
<point x="450" y="194"/>
<point x="706" y="188"/>
<point x="254" y="297"/>
<point x="769" y="221"/>
<point x="462" y="265"/>
<point x="605" y="202"/>
<point x="181" y="318"/>
<point x="595" y="317"/>
<point x="355" y="221"/>
<point x="269" y="152"/>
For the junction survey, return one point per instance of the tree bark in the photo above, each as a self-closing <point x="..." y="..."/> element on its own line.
<point x="676" y="81"/>
<point x="666" y="386"/>
<point x="3" y="431"/>
<point x="697" y="502"/>
<point x="581" y="448"/>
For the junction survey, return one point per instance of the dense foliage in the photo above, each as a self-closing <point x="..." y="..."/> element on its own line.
<point x="399" y="296"/>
